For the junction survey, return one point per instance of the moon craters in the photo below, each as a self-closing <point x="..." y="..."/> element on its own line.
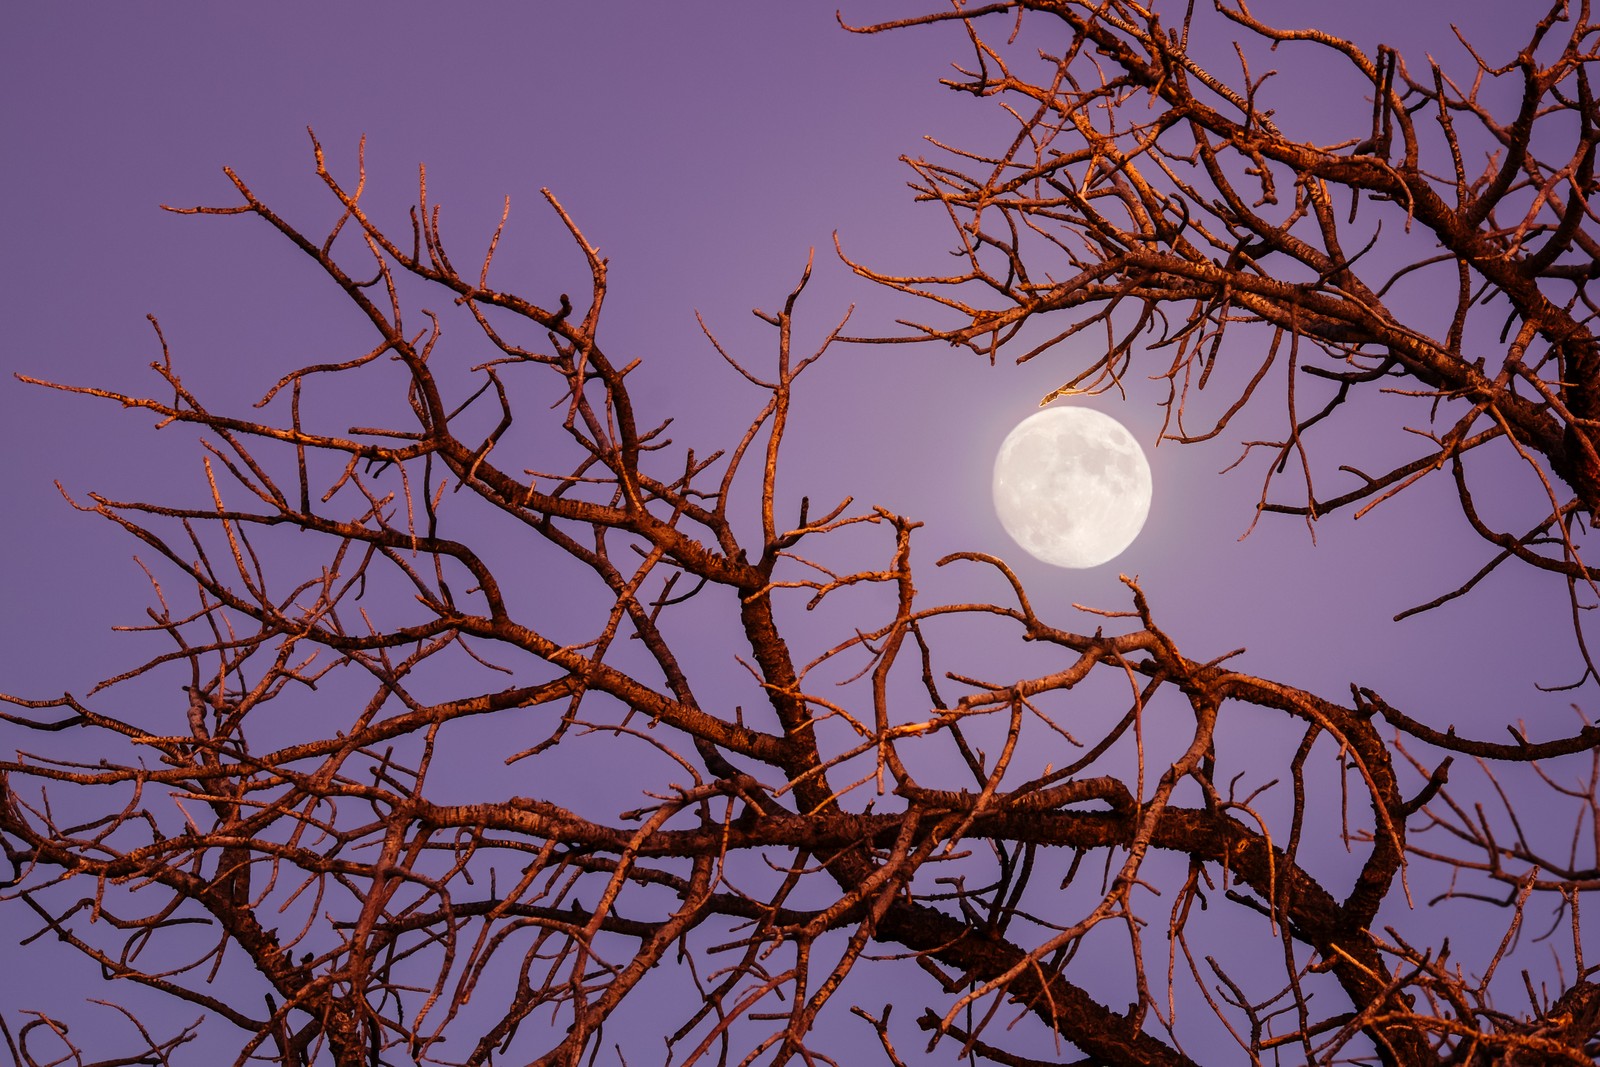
<point x="1072" y="486"/>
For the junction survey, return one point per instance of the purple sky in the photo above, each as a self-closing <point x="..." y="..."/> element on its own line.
<point x="704" y="148"/>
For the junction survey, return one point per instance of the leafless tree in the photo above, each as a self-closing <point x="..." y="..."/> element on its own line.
<point x="1170" y="208"/>
<point x="289" y="848"/>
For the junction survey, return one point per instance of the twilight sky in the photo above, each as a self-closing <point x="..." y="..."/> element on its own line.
<point x="705" y="148"/>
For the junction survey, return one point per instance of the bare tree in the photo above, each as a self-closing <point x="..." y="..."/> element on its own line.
<point x="1158" y="203"/>
<point x="287" y="845"/>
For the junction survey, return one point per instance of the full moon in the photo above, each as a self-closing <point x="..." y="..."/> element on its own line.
<point x="1071" y="486"/>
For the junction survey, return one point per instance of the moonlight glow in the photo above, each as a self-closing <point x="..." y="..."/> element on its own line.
<point x="1071" y="486"/>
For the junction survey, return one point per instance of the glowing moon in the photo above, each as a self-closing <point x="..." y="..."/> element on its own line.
<point x="1071" y="486"/>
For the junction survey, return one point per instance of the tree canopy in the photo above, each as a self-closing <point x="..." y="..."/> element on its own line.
<point x="752" y="776"/>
